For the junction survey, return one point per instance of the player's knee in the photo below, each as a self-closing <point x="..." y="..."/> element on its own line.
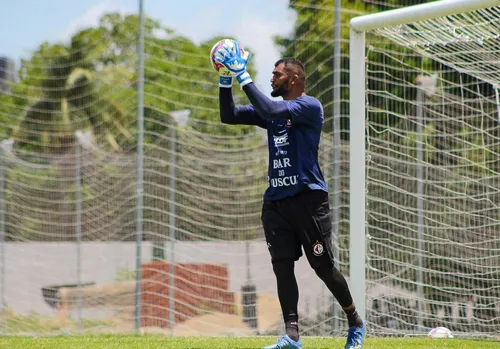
<point x="325" y="270"/>
<point x="283" y="268"/>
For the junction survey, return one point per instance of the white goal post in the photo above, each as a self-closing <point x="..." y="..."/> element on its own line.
<point x="358" y="28"/>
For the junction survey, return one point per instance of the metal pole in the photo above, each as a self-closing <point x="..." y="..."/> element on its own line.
<point x="420" y="204"/>
<point x="336" y="145"/>
<point x="417" y="13"/>
<point x="357" y="167"/>
<point x="78" y="183"/>
<point x="247" y="255"/>
<point x="179" y="118"/>
<point x="140" y="165"/>
<point x="2" y="239"/>
<point x="173" y="166"/>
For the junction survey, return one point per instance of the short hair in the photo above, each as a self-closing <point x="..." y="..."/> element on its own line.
<point x="293" y="65"/>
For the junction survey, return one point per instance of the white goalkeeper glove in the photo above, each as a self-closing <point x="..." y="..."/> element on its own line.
<point x="235" y="60"/>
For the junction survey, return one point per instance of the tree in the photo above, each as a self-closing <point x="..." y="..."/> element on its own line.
<point x="179" y="76"/>
<point x="84" y="84"/>
<point x="91" y="83"/>
<point x="312" y="43"/>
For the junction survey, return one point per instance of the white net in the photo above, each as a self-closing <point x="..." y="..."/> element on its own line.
<point x="69" y="194"/>
<point x="433" y="174"/>
<point x="69" y="205"/>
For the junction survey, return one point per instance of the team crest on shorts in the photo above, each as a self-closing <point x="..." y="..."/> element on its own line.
<point x="318" y="249"/>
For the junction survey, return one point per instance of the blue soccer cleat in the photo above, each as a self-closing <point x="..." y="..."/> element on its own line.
<point x="356" y="337"/>
<point x="285" y="342"/>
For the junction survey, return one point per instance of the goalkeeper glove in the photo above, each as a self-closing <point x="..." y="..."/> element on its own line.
<point x="235" y="60"/>
<point x="225" y="78"/>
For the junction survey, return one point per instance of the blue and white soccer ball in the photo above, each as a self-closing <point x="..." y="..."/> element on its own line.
<point x="440" y="332"/>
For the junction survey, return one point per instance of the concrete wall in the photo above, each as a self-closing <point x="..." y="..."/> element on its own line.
<point x="31" y="266"/>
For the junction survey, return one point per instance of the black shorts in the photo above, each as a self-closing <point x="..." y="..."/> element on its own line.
<point x="296" y="222"/>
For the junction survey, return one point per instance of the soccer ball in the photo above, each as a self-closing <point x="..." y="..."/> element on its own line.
<point x="217" y="66"/>
<point x="440" y="332"/>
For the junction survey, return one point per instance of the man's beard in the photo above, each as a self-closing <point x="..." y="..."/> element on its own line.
<point x="279" y="92"/>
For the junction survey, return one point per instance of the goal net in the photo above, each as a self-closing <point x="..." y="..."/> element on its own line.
<point x="433" y="174"/>
<point x="85" y="245"/>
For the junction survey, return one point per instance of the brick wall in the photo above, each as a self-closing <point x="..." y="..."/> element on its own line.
<point x="199" y="288"/>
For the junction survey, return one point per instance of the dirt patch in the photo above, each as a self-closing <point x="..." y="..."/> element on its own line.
<point x="268" y="310"/>
<point x="220" y="324"/>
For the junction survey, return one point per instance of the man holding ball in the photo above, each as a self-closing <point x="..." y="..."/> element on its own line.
<point x="295" y="211"/>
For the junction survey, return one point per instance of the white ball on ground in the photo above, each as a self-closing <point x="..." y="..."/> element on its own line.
<point x="440" y="332"/>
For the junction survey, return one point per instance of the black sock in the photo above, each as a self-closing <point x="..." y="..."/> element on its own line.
<point x="353" y="319"/>
<point x="292" y="330"/>
<point x="288" y="295"/>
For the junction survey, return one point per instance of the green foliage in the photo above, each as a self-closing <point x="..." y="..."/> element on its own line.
<point x="312" y="43"/>
<point x="91" y="83"/>
<point x="81" y="85"/>
<point x="391" y="4"/>
<point x="18" y="324"/>
<point x="410" y="141"/>
<point x="179" y="76"/>
<point x="477" y="157"/>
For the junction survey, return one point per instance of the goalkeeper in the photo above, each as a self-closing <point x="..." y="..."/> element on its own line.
<point x="295" y="212"/>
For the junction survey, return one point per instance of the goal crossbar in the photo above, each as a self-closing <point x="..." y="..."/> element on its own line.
<point x="357" y="115"/>
<point x="412" y="14"/>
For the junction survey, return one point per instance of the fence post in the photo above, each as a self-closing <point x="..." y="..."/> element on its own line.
<point x="336" y="143"/>
<point x="140" y="165"/>
<point x="2" y="238"/>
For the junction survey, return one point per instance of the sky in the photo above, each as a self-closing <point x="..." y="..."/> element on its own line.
<point x="254" y="22"/>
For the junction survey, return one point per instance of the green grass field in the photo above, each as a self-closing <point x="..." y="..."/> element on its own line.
<point x="160" y="342"/>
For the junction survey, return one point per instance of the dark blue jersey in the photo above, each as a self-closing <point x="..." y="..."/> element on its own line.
<point x="293" y="130"/>
<point x="293" y="150"/>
